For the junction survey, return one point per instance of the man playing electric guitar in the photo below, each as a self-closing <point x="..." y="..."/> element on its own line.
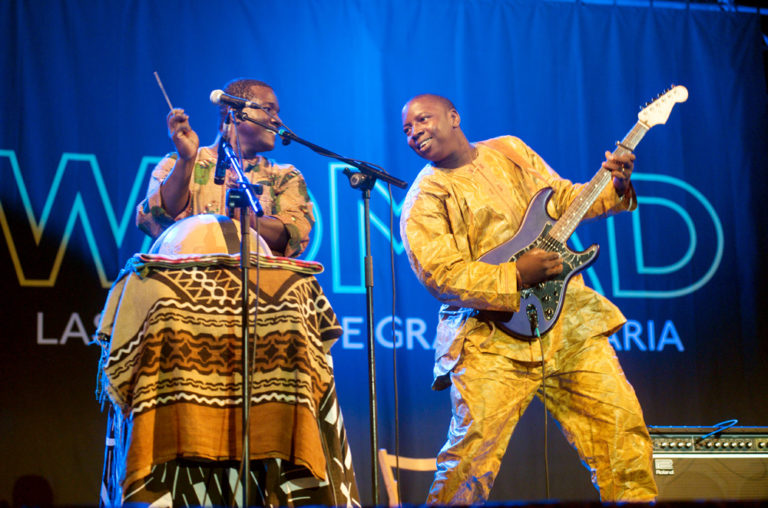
<point x="470" y="199"/>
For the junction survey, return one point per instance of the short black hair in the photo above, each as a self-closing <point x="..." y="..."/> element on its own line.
<point x="443" y="100"/>
<point x="239" y="87"/>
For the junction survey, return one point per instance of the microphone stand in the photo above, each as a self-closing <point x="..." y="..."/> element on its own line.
<point x="244" y="197"/>
<point x="364" y="179"/>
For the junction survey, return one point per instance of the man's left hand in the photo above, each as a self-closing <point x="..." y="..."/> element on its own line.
<point x="621" y="167"/>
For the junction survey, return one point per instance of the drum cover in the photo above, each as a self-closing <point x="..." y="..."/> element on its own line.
<point x="205" y="234"/>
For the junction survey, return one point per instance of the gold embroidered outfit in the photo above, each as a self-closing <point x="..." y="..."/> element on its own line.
<point x="451" y="217"/>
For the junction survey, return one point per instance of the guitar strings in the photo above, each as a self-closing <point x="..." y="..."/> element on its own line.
<point x="595" y="186"/>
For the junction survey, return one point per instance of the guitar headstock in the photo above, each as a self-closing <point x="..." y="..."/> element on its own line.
<point x="657" y="111"/>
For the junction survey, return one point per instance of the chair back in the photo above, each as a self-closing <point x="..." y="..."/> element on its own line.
<point x="388" y="462"/>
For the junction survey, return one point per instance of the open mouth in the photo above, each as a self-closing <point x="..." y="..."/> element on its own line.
<point x="424" y="144"/>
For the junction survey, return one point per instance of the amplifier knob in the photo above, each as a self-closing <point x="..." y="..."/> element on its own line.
<point x="749" y="444"/>
<point x="742" y="444"/>
<point x="687" y="445"/>
<point x="709" y="444"/>
<point x="717" y="445"/>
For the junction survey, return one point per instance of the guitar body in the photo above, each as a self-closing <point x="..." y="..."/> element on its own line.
<point x="546" y="298"/>
<point x="544" y="302"/>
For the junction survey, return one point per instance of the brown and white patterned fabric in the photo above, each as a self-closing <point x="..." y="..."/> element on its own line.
<point x="172" y="367"/>
<point x="273" y="482"/>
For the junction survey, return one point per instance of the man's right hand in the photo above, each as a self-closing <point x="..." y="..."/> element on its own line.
<point x="182" y="135"/>
<point x="538" y="265"/>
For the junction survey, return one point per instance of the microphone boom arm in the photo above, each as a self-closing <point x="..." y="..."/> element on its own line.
<point x="363" y="166"/>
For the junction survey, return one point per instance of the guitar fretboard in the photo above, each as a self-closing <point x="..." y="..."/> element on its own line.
<point x="567" y="224"/>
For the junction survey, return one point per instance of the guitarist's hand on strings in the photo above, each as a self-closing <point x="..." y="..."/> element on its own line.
<point x="538" y="265"/>
<point x="621" y="167"/>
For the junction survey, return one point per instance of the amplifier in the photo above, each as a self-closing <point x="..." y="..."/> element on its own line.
<point x="695" y="463"/>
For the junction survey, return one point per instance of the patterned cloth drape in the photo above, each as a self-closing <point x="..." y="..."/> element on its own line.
<point x="172" y="367"/>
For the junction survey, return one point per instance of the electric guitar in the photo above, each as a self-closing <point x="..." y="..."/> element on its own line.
<point x="541" y="304"/>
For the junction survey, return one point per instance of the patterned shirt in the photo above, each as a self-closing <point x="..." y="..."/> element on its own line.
<point x="285" y="196"/>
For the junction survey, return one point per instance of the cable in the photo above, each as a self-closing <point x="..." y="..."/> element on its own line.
<point x="533" y="318"/>
<point x="252" y="362"/>
<point x="546" y="426"/>
<point x="720" y="427"/>
<point x="394" y="342"/>
<point x="240" y="471"/>
<point x="252" y="367"/>
<point x="255" y="335"/>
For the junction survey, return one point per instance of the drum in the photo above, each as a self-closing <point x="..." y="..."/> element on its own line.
<point x="205" y="234"/>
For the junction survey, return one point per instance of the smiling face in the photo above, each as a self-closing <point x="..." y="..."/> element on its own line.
<point x="431" y="126"/>
<point x="255" y="139"/>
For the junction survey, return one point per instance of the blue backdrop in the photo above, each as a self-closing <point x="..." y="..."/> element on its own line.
<point x="83" y="123"/>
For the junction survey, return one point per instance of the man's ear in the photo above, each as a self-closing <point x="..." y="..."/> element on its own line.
<point x="455" y="118"/>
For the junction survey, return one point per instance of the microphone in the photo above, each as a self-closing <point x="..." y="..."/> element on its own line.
<point x="219" y="97"/>
<point x="222" y="163"/>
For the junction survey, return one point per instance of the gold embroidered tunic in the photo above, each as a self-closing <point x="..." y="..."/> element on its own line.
<point x="451" y="217"/>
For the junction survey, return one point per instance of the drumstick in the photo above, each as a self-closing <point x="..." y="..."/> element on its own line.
<point x="160" y="83"/>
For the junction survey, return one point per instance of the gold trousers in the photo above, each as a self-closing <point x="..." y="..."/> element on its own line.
<point x="586" y="392"/>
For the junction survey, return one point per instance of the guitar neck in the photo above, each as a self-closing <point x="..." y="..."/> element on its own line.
<point x="567" y="224"/>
